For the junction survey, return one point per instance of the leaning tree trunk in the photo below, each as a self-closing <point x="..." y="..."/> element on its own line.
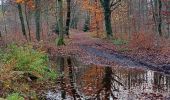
<point x="68" y="17"/>
<point x="37" y="18"/>
<point x="22" y="20"/>
<point x="60" y="23"/>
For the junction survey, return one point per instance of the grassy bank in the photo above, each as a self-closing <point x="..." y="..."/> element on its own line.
<point x="24" y="72"/>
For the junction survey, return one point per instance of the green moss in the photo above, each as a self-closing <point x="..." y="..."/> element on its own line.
<point x="119" y="42"/>
<point x="60" y="41"/>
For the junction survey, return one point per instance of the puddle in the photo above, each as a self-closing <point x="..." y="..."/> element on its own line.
<point x="109" y="83"/>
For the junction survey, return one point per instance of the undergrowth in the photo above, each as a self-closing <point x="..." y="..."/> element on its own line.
<point x="20" y="65"/>
<point x="25" y="58"/>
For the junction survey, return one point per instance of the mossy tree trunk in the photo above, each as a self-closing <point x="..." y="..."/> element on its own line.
<point x="60" y="23"/>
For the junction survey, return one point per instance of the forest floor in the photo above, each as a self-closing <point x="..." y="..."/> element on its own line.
<point x="91" y="50"/>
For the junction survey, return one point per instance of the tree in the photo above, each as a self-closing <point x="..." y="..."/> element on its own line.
<point x="3" y="14"/>
<point x="156" y="9"/>
<point x="108" y="7"/>
<point x="37" y="18"/>
<point x="60" y="23"/>
<point x="68" y="17"/>
<point x="21" y="18"/>
<point x="75" y="10"/>
<point x="27" y="20"/>
<point x="160" y="17"/>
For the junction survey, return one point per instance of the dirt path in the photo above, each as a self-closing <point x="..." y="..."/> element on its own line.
<point x="97" y="51"/>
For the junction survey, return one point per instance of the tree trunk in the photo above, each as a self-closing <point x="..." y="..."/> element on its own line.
<point x="68" y="17"/>
<point x="3" y="15"/>
<point x="107" y="17"/>
<point x="168" y="30"/>
<point x="27" y="21"/>
<point x="57" y="19"/>
<point x="47" y="18"/>
<point x="37" y="18"/>
<point x="22" y="20"/>
<point x="160" y="18"/>
<point x="60" y="23"/>
<point x="157" y="16"/>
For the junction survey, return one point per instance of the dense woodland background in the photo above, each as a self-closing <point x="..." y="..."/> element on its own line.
<point x="41" y="18"/>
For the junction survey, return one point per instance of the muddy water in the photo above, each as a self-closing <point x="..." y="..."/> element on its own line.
<point x="92" y="82"/>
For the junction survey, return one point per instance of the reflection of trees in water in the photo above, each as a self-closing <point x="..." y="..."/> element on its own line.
<point x="158" y="79"/>
<point x="134" y="77"/>
<point x="61" y="64"/>
<point x="104" y="82"/>
<point x="161" y="82"/>
<point x="110" y="85"/>
<point x="71" y="78"/>
<point x="168" y="83"/>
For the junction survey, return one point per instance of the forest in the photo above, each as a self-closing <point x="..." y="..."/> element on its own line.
<point x="84" y="49"/>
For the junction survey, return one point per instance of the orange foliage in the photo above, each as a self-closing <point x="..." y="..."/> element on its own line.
<point x="19" y="1"/>
<point x="142" y="41"/>
<point x="30" y="3"/>
<point x="95" y="10"/>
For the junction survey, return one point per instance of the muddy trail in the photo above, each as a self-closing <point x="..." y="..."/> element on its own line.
<point x="91" y="69"/>
<point x="89" y="50"/>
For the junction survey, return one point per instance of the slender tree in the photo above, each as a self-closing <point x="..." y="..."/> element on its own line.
<point x="160" y="17"/>
<point x="37" y="18"/>
<point x="157" y="16"/>
<point x="27" y="21"/>
<point x="3" y="14"/>
<point x="68" y="17"/>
